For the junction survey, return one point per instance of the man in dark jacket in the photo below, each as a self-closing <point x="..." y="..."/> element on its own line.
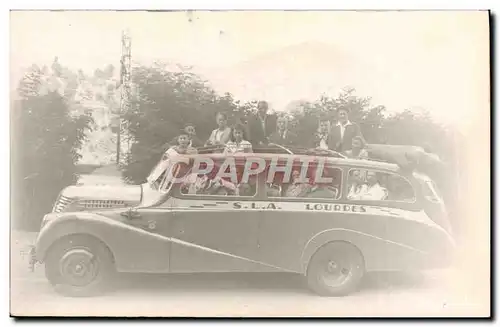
<point x="282" y="136"/>
<point x="343" y="132"/>
<point x="261" y="126"/>
<point x="322" y="139"/>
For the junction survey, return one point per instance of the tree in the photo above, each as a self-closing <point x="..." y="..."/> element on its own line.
<point x="411" y="127"/>
<point x="45" y="141"/>
<point x="31" y="82"/>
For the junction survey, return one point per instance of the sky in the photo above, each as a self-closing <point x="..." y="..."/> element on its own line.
<point x="438" y="61"/>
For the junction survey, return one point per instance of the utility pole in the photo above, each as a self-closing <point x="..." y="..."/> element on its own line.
<point x="125" y="88"/>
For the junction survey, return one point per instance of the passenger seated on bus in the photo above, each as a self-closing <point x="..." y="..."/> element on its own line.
<point x="358" y="150"/>
<point x="190" y="130"/>
<point x="182" y="146"/>
<point x="194" y="184"/>
<point x="202" y="184"/>
<point x="248" y="189"/>
<point x="373" y="190"/>
<point x="297" y="189"/>
<point x="356" y="185"/>
<point x="323" y="192"/>
<point x="273" y="190"/>
<point x="221" y="186"/>
<point x="221" y="135"/>
<point x="238" y="144"/>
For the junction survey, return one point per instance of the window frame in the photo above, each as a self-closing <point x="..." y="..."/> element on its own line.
<point x="178" y="193"/>
<point x="304" y="199"/>
<point x="387" y="201"/>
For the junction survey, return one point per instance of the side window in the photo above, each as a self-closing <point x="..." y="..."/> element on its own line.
<point x="213" y="185"/>
<point x="313" y="189"/>
<point x="366" y="184"/>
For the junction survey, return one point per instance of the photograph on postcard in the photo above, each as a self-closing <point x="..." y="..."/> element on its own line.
<point x="250" y="163"/>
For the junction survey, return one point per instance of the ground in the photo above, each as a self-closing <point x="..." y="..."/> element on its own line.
<point x="436" y="293"/>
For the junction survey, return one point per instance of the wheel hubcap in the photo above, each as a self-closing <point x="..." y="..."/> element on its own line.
<point x="78" y="267"/>
<point x="336" y="273"/>
<point x="332" y="267"/>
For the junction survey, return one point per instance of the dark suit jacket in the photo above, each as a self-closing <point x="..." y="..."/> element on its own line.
<point x="257" y="133"/>
<point x="341" y="144"/>
<point x="289" y="139"/>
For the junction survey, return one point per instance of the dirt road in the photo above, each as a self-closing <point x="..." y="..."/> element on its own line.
<point x="385" y="294"/>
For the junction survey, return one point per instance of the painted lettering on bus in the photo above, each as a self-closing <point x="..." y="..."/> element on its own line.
<point x="255" y="205"/>
<point x="335" y="207"/>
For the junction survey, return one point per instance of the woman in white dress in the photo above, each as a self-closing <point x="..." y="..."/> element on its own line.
<point x="238" y="144"/>
<point x="357" y="186"/>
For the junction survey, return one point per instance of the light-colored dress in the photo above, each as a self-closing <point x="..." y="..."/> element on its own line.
<point x="220" y="136"/>
<point x="297" y="190"/>
<point x="363" y="154"/>
<point x="374" y="192"/>
<point x="233" y="147"/>
<point x="355" y="191"/>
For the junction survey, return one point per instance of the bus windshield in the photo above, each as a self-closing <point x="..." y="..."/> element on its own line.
<point x="160" y="175"/>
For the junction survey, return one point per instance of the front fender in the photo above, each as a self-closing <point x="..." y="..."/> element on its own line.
<point x="133" y="249"/>
<point x="378" y="253"/>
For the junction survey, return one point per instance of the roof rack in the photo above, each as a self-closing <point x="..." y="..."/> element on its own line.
<point x="313" y="151"/>
<point x="281" y="147"/>
<point x="381" y="160"/>
<point x="209" y="149"/>
<point x="407" y="157"/>
<point x="278" y="149"/>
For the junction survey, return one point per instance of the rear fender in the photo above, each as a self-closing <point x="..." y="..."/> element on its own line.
<point x="378" y="253"/>
<point x="133" y="249"/>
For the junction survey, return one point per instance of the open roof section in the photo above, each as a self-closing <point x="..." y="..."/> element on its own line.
<point x="272" y="151"/>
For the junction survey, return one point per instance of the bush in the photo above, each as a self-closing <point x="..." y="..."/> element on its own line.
<point x="45" y="141"/>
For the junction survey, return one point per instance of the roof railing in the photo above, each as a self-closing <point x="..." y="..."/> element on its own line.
<point x="282" y="147"/>
<point x="278" y="148"/>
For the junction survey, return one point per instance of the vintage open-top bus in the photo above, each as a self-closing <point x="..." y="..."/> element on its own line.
<point x="269" y="212"/>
